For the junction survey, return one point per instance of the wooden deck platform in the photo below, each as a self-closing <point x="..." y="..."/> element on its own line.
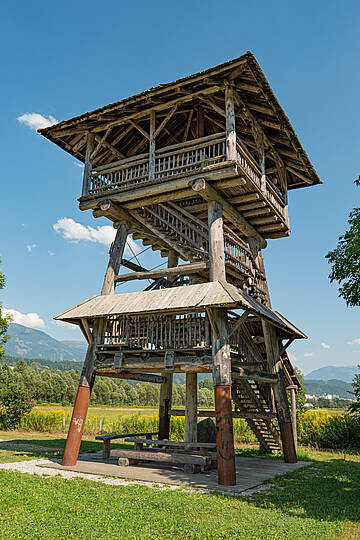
<point x="250" y="472"/>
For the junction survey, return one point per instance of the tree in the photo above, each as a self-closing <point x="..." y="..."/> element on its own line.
<point x="4" y="321"/>
<point x="345" y="260"/>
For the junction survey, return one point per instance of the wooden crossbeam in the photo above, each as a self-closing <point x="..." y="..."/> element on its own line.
<point x="124" y="374"/>
<point x="165" y="121"/>
<point x="254" y="375"/>
<point x="183" y="270"/>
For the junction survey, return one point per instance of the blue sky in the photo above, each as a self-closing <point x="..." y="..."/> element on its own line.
<point x="62" y="59"/>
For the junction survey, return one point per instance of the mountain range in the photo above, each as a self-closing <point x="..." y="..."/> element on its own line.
<point x="328" y="373"/>
<point x="26" y="342"/>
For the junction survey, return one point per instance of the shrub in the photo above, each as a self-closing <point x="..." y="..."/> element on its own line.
<point x="15" y="402"/>
<point x="323" y="430"/>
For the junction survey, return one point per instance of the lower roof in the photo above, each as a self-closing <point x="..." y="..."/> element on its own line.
<point x="176" y="300"/>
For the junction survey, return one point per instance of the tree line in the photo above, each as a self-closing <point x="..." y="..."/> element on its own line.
<point x="46" y="386"/>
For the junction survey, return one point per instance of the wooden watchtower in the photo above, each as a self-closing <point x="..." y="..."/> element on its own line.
<point x="199" y="169"/>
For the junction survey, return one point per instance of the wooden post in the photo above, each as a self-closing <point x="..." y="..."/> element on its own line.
<point x="165" y="406"/>
<point x="278" y="392"/>
<point x="90" y="141"/>
<point x="82" y="399"/>
<point x="152" y="146"/>
<point x="231" y="152"/>
<point x="191" y="408"/>
<point x="221" y="355"/>
<point x="166" y="387"/>
<point x="293" y="389"/>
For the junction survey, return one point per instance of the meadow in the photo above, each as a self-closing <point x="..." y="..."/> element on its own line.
<point x="320" y="502"/>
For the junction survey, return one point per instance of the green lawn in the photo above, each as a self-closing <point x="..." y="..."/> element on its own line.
<point x="319" y="502"/>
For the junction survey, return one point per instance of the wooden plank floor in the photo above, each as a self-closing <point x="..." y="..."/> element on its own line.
<point x="250" y="472"/>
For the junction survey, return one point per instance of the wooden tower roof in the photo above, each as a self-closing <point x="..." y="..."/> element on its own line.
<point x="256" y="109"/>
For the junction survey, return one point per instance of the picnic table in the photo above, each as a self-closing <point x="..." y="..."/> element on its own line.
<point x="193" y="456"/>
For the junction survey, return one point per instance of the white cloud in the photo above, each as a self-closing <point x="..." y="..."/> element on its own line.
<point x="308" y="354"/>
<point x="27" y="319"/>
<point x="325" y="346"/>
<point x="355" y="341"/>
<point x="51" y="253"/>
<point x="67" y="325"/>
<point x="74" y="231"/>
<point x="30" y="247"/>
<point x="36" y="121"/>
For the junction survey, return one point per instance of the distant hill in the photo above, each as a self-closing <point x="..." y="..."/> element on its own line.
<point x="65" y="365"/>
<point x="29" y="343"/>
<point x="334" y="387"/>
<point x="332" y="372"/>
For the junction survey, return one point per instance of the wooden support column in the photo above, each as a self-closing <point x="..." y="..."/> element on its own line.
<point x="279" y="394"/>
<point x="166" y="386"/>
<point x="231" y="152"/>
<point x="293" y="389"/>
<point x="87" y="377"/>
<point x="90" y="141"/>
<point x="221" y="354"/>
<point x="152" y="146"/>
<point x="191" y="408"/>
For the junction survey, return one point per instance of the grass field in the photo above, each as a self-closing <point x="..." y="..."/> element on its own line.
<point x="320" y="502"/>
<point x="102" y="412"/>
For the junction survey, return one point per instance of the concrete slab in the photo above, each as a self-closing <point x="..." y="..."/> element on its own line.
<point x="250" y="472"/>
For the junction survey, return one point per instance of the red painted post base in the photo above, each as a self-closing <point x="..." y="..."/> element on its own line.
<point x="225" y="436"/>
<point x="288" y="444"/>
<point x="76" y="428"/>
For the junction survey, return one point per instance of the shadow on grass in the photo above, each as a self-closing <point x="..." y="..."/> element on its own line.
<point x="49" y="448"/>
<point x="325" y="491"/>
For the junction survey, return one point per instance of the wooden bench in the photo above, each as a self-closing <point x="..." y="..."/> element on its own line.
<point x="195" y="457"/>
<point x="108" y="438"/>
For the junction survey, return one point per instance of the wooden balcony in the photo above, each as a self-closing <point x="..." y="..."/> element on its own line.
<point x="240" y="181"/>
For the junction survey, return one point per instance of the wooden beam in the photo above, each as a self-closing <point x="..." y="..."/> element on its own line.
<point x="110" y="147"/>
<point x="159" y="107"/>
<point x="166" y="119"/>
<point x="100" y="143"/>
<point x="152" y="137"/>
<point x="254" y="375"/>
<point x="188" y="124"/>
<point x="239" y="323"/>
<point x="210" y="194"/>
<point x="210" y="413"/>
<point x="140" y="129"/>
<point x="86" y="331"/>
<point x="183" y="270"/>
<point x="87" y="168"/>
<point x="231" y="152"/>
<point x="191" y="408"/>
<point x="123" y="374"/>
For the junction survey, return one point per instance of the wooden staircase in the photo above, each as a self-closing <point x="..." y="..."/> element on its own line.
<point x="249" y="399"/>
<point x="188" y="236"/>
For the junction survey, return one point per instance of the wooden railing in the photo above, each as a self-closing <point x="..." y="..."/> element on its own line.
<point x="158" y="332"/>
<point x="252" y="171"/>
<point x="175" y="160"/>
<point x="238" y="254"/>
